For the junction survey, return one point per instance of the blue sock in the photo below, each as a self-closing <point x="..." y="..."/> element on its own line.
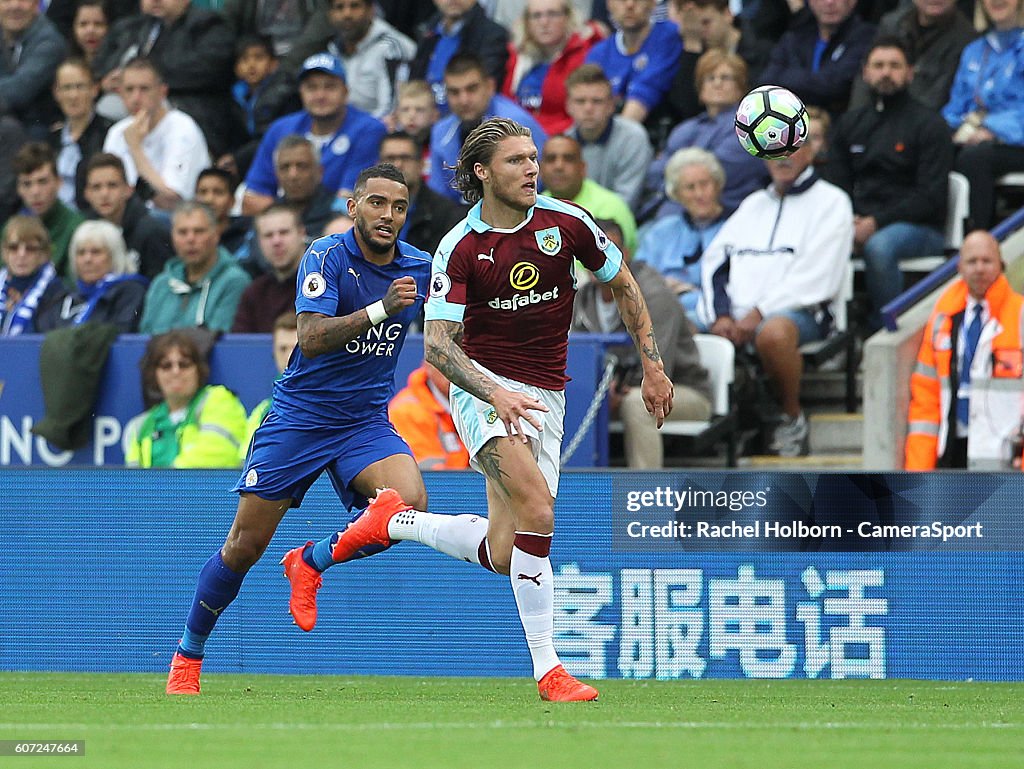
<point x="216" y="588"/>
<point x="319" y="556"/>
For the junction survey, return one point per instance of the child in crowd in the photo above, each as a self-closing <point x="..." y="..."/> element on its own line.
<point x="263" y="93"/>
<point x="415" y="113"/>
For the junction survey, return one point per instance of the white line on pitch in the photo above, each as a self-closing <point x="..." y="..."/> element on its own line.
<point x="429" y="725"/>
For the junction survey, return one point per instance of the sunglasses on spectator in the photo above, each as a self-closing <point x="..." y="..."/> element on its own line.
<point x="181" y="365"/>
<point x="30" y="248"/>
<point x="541" y="15"/>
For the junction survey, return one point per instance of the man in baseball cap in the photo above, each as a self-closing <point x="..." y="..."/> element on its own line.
<point x="347" y="139"/>
<point x="323" y="62"/>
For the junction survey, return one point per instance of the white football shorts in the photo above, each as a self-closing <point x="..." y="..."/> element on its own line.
<point x="477" y="422"/>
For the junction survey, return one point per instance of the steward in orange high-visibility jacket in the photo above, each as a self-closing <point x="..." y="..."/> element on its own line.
<point x="934" y="383"/>
<point x="425" y="423"/>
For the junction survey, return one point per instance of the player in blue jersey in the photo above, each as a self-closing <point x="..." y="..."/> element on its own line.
<point x="356" y="296"/>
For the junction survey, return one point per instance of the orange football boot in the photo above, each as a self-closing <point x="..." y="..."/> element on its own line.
<point x="370" y="528"/>
<point x="558" y="686"/>
<point x="305" y="581"/>
<point x="184" y="676"/>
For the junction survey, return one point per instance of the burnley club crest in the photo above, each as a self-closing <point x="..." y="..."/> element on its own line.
<point x="549" y="241"/>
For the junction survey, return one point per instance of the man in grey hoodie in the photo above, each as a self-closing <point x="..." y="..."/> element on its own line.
<point x="692" y="399"/>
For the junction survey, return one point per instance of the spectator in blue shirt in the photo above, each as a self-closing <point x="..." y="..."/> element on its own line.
<point x="986" y="107"/>
<point x="674" y="244"/>
<point x="347" y="138"/>
<point x="640" y="59"/>
<point x="459" y="26"/>
<point x="472" y="99"/>
<point x="821" y="54"/>
<point x="721" y="80"/>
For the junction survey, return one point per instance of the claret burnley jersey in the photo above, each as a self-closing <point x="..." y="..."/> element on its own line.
<point x="513" y="289"/>
<point x="345" y="386"/>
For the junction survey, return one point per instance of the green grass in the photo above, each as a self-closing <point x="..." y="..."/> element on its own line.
<point x="253" y="721"/>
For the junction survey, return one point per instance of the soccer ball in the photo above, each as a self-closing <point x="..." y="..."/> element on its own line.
<point x="771" y="122"/>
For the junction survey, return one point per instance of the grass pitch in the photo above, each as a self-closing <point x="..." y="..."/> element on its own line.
<point x="253" y="721"/>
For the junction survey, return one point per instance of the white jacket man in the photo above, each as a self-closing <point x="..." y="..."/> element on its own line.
<point x="772" y="274"/>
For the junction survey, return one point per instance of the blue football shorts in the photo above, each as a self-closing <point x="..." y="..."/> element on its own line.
<point x="285" y="459"/>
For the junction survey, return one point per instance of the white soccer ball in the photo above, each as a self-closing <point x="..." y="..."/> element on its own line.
<point x="771" y="122"/>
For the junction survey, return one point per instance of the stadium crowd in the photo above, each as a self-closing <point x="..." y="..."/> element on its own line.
<point x="167" y="161"/>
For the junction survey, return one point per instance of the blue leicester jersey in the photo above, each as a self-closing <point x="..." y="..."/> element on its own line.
<point x="357" y="381"/>
<point x="647" y="74"/>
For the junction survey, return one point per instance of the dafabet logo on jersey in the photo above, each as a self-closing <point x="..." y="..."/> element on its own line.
<point x="523" y="276"/>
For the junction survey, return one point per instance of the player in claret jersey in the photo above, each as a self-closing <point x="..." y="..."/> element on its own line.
<point x="497" y="325"/>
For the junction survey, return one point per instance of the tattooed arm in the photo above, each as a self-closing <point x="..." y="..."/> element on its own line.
<point x="441" y="342"/>
<point x="320" y="334"/>
<point x="657" y="390"/>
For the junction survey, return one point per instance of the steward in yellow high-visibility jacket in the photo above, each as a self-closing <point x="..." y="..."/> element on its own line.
<point x="209" y="435"/>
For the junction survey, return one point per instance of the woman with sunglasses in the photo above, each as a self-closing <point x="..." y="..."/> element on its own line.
<point x="195" y="424"/>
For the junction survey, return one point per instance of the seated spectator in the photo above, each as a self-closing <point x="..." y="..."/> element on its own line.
<point x="202" y="285"/>
<point x="564" y="175"/>
<point x="985" y="108"/>
<point x="410" y="16"/>
<point x="346" y="138"/>
<point x="90" y="24"/>
<point x="708" y="24"/>
<point x="161" y="147"/>
<point x="893" y="159"/>
<point x="722" y="81"/>
<point x="264" y="92"/>
<point x="821" y="54"/>
<point x="550" y="42"/>
<point x="458" y="27"/>
<point x="415" y="114"/>
<point x="281" y="21"/>
<point x="88" y="29"/>
<point x="973" y="335"/>
<point x="282" y="243"/>
<point x="193" y="49"/>
<point x="704" y="25"/>
<point x="472" y="100"/>
<point x="33" y="48"/>
<point x="29" y="284"/>
<point x="640" y="59"/>
<point x="430" y="214"/>
<point x="933" y="33"/>
<point x="616" y="149"/>
<point x="110" y="197"/>
<point x="107" y="288"/>
<point x="339" y="224"/>
<point x="300" y="176"/>
<point x="372" y="51"/>
<point x="422" y="416"/>
<point x="284" y="339"/>
<point x="819" y="129"/>
<point x="81" y="133"/>
<point x="595" y="311"/>
<point x="674" y="244"/>
<point x="772" y="274"/>
<point x="195" y="424"/>
<point x="216" y="188"/>
<point x="39" y="188"/>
